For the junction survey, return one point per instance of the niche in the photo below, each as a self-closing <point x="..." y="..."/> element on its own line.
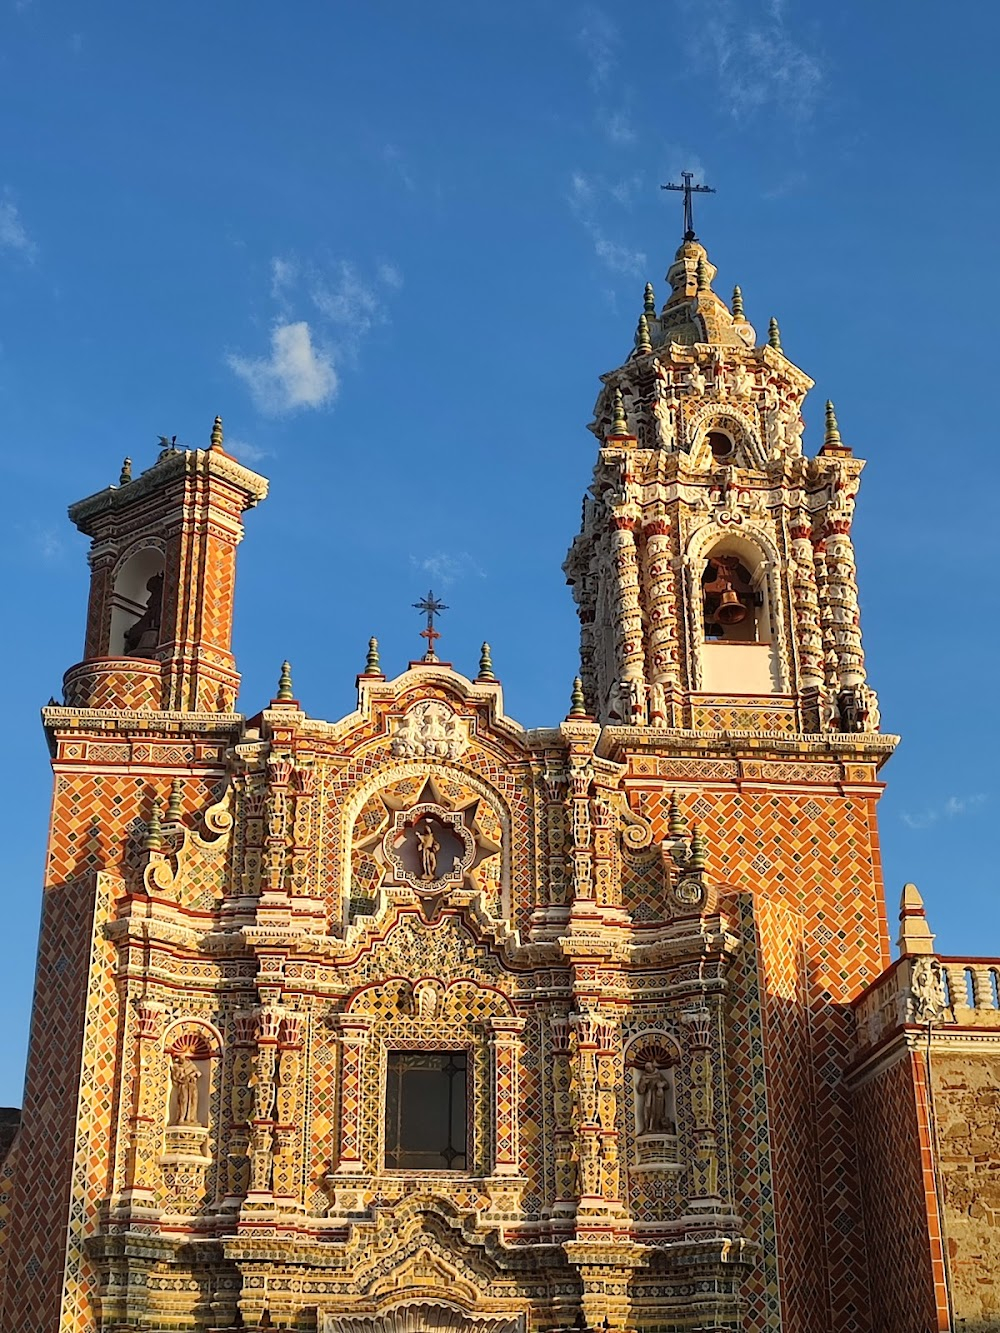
<point x="652" y="1068"/>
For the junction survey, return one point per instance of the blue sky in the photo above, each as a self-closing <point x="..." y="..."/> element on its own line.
<point x="395" y="244"/>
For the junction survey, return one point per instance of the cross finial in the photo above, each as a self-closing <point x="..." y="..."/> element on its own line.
<point x="430" y="607"/>
<point x="687" y="189"/>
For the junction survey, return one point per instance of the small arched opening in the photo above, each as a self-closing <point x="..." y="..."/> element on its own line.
<point x="137" y="604"/>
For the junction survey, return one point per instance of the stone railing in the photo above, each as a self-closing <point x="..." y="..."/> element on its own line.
<point x="972" y="990"/>
<point x="967" y="994"/>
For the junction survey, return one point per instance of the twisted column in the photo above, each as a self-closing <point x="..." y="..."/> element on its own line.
<point x="661" y="591"/>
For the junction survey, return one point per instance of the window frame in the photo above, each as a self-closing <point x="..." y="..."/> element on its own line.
<point x="430" y="1046"/>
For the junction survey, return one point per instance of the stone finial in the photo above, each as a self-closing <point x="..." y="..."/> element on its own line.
<point x="831" y="436"/>
<point x="642" y="342"/>
<point x="649" y="302"/>
<point x="174" y="803"/>
<point x="738" y="303"/>
<point x="126" y="473"/>
<point x="704" y="285"/>
<point x="699" y="847"/>
<point x="619" y="426"/>
<point x="285" y="692"/>
<point x="577" y="703"/>
<point x="153" y="842"/>
<point x="914" y="933"/>
<point x="676" y="826"/>
<point x="373" y="663"/>
<point x="217" y="436"/>
<point x="486" y="664"/>
<point x="774" y="335"/>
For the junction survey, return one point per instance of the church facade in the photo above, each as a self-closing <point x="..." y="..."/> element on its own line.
<point x="419" y="1020"/>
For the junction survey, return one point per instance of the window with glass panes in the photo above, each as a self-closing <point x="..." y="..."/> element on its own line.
<point x="426" y="1121"/>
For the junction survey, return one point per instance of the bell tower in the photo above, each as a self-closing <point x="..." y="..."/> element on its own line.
<point x="163" y="567"/>
<point x="715" y="582"/>
<point x="714" y="573"/>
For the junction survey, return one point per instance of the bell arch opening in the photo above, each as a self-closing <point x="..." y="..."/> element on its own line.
<point x="137" y="604"/>
<point x="734" y="595"/>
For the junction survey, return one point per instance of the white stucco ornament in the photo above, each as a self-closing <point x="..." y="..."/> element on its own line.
<point x="429" y="730"/>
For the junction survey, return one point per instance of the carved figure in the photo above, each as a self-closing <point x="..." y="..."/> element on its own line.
<point x="663" y="420"/>
<point x="926" y="1004"/>
<point x="429" y="848"/>
<point x="653" y="1092"/>
<point x="662" y="373"/>
<point x="696" y="380"/>
<point x="404" y="741"/>
<point x="184" y="1075"/>
<point x="429" y="731"/>
<point x="742" y="381"/>
<point x="657" y="705"/>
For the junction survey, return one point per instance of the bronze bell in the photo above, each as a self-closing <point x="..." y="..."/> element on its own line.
<point x="731" y="610"/>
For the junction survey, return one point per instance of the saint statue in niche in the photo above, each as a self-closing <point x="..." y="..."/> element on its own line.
<point x="429" y="847"/>
<point x="184" y="1076"/>
<point x="653" y="1091"/>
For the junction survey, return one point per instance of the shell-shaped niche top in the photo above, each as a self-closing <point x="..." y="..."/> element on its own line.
<point x="429" y="730"/>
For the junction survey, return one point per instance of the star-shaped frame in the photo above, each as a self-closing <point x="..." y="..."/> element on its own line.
<point x="430" y="805"/>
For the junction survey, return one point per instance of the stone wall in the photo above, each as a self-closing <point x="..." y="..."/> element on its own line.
<point x="967" y="1112"/>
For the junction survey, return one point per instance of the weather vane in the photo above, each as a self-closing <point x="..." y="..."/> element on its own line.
<point x="687" y="189"/>
<point x="430" y="607"/>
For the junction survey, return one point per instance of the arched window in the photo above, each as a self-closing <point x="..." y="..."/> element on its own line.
<point x="136" y="605"/>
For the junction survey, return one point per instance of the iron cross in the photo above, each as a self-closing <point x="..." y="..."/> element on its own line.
<point x="688" y="190"/>
<point x="430" y="607"/>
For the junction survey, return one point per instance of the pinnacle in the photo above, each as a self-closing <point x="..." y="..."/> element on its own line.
<point x="831" y="435"/>
<point x="217" y="436"/>
<point x="286" y="693"/>
<point x="738" y="303"/>
<point x="486" y="664"/>
<point x="774" y="335"/>
<point x="577" y="705"/>
<point x="642" y="342"/>
<point x="619" y="425"/>
<point x="373" y="663"/>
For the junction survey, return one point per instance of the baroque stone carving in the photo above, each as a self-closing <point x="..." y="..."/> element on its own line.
<point x="430" y="730"/>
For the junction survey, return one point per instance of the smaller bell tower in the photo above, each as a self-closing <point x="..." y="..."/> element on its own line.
<point x="163" y="574"/>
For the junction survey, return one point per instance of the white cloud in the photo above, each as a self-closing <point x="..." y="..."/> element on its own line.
<point x="584" y="197"/>
<point x="390" y="275"/>
<point x="246" y="452"/>
<point x="13" y="234"/>
<point x="599" y="39"/>
<point x="617" y="127"/>
<point x="445" y="568"/>
<point x="755" y="60"/>
<point x="393" y="158"/>
<point x="284" y="274"/>
<point x="302" y="369"/>
<point x="348" y="300"/>
<point x="951" y="808"/>
<point x="297" y="374"/>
